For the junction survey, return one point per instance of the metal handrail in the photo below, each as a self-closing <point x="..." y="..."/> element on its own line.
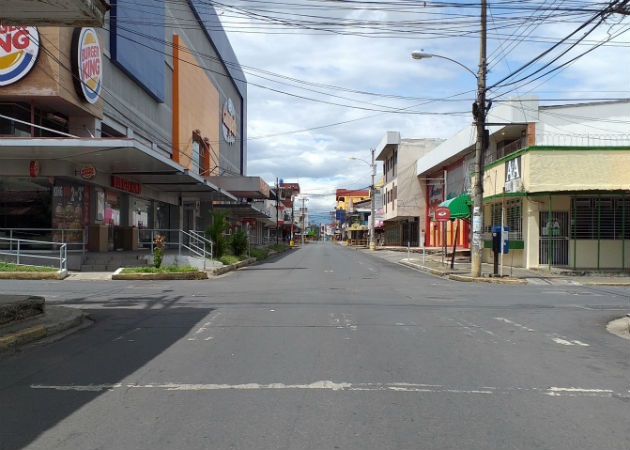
<point x="16" y="249"/>
<point x="193" y="241"/>
<point x="57" y="235"/>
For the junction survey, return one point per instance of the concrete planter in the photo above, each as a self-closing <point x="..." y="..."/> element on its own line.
<point x="161" y="276"/>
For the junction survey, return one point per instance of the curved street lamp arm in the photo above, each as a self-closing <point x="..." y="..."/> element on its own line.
<point x="423" y="55"/>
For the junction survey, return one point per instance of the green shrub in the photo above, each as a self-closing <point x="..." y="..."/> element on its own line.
<point x="215" y="232"/>
<point x="259" y="253"/>
<point x="229" y="259"/>
<point x="278" y="247"/>
<point x="239" y="242"/>
<point x="158" y="251"/>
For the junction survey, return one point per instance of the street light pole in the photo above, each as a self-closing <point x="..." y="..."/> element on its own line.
<point x="372" y="192"/>
<point x="304" y="199"/>
<point x="479" y="114"/>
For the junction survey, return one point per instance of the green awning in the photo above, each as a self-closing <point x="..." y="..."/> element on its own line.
<point x="459" y="206"/>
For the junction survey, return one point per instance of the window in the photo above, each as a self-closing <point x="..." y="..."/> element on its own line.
<point x="513" y="218"/>
<point x="600" y="218"/>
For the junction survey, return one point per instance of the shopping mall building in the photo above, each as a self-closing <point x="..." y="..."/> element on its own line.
<point x="140" y="124"/>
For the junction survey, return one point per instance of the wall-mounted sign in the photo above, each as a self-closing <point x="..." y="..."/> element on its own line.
<point x="126" y="185"/>
<point x="513" y="173"/>
<point x="228" y="120"/>
<point x="88" y="172"/>
<point x="87" y="65"/>
<point x="33" y="168"/>
<point x="19" y="48"/>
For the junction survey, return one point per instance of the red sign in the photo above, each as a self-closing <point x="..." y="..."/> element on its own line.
<point x="126" y="185"/>
<point x="442" y="214"/>
<point x="88" y="172"/>
<point x="33" y="168"/>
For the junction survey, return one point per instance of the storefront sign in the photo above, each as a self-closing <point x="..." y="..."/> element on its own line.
<point x="33" y="168"/>
<point x="513" y="181"/>
<point x="126" y="185"/>
<point x="88" y="172"/>
<point x="19" y="47"/>
<point x="228" y="119"/>
<point x="442" y="214"/>
<point x="87" y="65"/>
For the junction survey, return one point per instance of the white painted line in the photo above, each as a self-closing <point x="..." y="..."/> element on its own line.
<point x="565" y="341"/>
<point x="327" y="385"/>
<point x="578" y="392"/>
<point x="562" y="341"/>
<point x="508" y="321"/>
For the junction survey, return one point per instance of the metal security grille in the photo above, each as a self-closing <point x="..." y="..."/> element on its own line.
<point x="600" y="218"/>
<point x="554" y="238"/>
<point x="513" y="218"/>
<point x="410" y="234"/>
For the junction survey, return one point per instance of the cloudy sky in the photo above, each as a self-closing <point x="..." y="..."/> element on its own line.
<point x="328" y="78"/>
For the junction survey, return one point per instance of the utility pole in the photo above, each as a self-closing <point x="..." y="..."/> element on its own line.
<point x="277" y="208"/>
<point x="479" y="114"/>
<point x="372" y="192"/>
<point x="303" y="218"/>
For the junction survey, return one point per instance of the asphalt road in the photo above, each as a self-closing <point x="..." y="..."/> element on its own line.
<point x="322" y="348"/>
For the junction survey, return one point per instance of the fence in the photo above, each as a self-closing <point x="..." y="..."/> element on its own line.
<point x="29" y="252"/>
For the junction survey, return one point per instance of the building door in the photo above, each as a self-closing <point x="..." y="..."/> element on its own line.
<point x="554" y="239"/>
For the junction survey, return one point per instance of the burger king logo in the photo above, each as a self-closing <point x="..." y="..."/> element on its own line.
<point x="87" y="64"/>
<point x="19" y="47"/>
<point x="228" y="119"/>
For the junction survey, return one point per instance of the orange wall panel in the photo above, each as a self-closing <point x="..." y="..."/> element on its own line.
<point x="195" y="106"/>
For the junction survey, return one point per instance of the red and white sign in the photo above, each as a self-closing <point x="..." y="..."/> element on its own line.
<point x="88" y="172"/>
<point x="19" y="47"/>
<point x="33" y="168"/>
<point x="442" y="214"/>
<point x="228" y="122"/>
<point x="87" y="64"/>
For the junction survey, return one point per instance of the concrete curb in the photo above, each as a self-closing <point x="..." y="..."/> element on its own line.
<point x="199" y="275"/>
<point x="231" y="267"/>
<point x="56" y="320"/>
<point x="463" y="278"/>
<point x="455" y="277"/>
<point x="32" y="276"/>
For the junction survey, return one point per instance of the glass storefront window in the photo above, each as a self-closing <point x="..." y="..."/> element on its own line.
<point x="112" y="208"/>
<point x="69" y="203"/>
<point x="25" y="203"/>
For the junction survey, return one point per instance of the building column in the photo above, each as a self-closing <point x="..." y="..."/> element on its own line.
<point x="531" y="232"/>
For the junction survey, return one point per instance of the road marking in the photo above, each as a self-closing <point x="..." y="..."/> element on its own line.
<point x="327" y="385"/>
<point x="345" y="321"/>
<point x="562" y="341"/>
<point x="579" y="392"/>
<point x="518" y="325"/>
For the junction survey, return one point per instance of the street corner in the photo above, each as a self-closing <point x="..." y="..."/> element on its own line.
<point x="620" y="327"/>
<point x="55" y="323"/>
<point x="491" y="280"/>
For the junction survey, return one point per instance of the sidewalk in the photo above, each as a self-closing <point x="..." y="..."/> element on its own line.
<point x="53" y="323"/>
<point x="432" y="262"/>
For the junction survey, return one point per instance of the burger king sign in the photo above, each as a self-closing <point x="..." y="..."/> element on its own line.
<point x="19" y="47"/>
<point x="87" y="64"/>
